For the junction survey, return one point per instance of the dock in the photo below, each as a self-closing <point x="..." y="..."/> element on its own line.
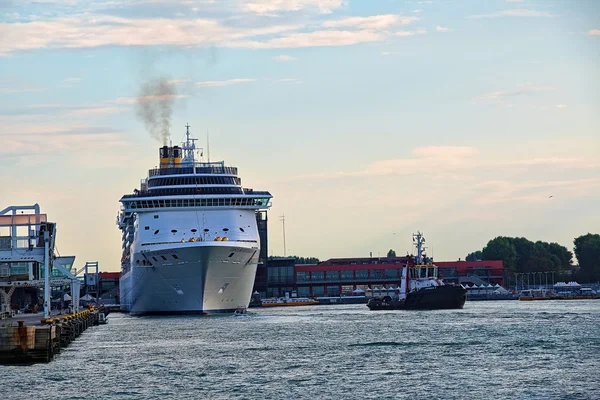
<point x="31" y="270"/>
<point x="31" y="339"/>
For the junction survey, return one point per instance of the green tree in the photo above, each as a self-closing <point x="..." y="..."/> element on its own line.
<point x="501" y="248"/>
<point x="474" y="256"/>
<point x="563" y="254"/>
<point x="587" y="251"/>
<point x="522" y="255"/>
<point x="391" y="253"/>
<point x="306" y="260"/>
<point x="525" y="261"/>
<point x="300" y="260"/>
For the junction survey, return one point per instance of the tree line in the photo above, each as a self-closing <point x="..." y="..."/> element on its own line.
<point x="519" y="255"/>
<point x="300" y="260"/>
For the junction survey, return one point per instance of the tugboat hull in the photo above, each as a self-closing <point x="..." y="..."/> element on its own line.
<point x="431" y="298"/>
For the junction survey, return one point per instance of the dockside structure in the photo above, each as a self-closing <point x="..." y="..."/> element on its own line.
<point x="29" y="344"/>
<point x="341" y="276"/>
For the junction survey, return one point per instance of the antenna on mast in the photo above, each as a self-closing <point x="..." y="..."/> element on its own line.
<point x="418" y="240"/>
<point x="207" y="146"/>
<point x="189" y="147"/>
<point x="282" y="219"/>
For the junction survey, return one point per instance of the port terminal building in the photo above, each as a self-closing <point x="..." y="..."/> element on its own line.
<point x="342" y="276"/>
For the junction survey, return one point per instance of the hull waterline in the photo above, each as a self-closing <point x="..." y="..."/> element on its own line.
<point x="433" y="298"/>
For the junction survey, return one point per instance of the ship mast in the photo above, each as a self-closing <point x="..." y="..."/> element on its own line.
<point x="418" y="240"/>
<point x="189" y="148"/>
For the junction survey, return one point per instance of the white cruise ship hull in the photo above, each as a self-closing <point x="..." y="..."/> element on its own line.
<point x="190" y="278"/>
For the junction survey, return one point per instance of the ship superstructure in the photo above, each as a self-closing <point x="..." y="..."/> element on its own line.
<point x="190" y="239"/>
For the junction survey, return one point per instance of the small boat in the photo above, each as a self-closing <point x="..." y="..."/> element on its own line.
<point x="102" y="319"/>
<point x="546" y="294"/>
<point x="285" y="301"/>
<point x="420" y="288"/>
<point x="240" y="311"/>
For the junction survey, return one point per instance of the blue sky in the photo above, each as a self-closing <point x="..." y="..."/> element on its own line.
<point x="367" y="120"/>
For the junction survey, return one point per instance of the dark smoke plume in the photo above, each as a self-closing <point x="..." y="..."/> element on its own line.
<point x="155" y="106"/>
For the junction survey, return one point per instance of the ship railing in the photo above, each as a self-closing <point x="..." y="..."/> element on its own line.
<point x="251" y="202"/>
<point x="196" y="168"/>
<point x="192" y="192"/>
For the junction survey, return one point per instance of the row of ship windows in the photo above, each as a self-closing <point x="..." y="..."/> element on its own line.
<point x="195" y="180"/>
<point x="194" y="190"/>
<point x="348" y="275"/>
<point x="225" y="202"/>
<point x="193" y="170"/>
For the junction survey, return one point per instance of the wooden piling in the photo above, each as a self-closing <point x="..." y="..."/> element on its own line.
<point x="20" y="344"/>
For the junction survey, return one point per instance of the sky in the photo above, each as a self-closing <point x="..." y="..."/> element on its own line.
<point x="366" y="120"/>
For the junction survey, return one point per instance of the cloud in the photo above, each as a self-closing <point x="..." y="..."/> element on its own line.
<point x="89" y="30"/>
<point x="594" y="32"/>
<point x="505" y="191"/>
<point x="386" y="53"/>
<point x="442" y="29"/>
<point x="372" y="22"/>
<point x="271" y="6"/>
<point x="18" y="87"/>
<point x="62" y="110"/>
<point x="425" y="160"/>
<point x="445" y="151"/>
<point x="69" y="83"/>
<point x="455" y="184"/>
<point x="179" y="81"/>
<point x="417" y="11"/>
<point x="43" y="137"/>
<point x="515" y="1"/>
<point x="411" y="33"/>
<point x="227" y="82"/>
<point x="519" y="90"/>
<point x="518" y="12"/>
<point x="284" y="58"/>
<point x="561" y="106"/>
<point x="457" y="163"/>
<point x="315" y="39"/>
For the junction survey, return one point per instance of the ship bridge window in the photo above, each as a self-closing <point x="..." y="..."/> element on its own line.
<point x="226" y="229"/>
<point x="242" y="229"/>
<point x="195" y="180"/>
<point x="156" y="216"/>
<point x="147" y="228"/>
<point x="164" y="258"/>
<point x="206" y="230"/>
<point x="156" y="231"/>
<point x="175" y="257"/>
<point x="194" y="230"/>
<point x="174" y="230"/>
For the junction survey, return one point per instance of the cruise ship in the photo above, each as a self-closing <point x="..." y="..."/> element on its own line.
<point x="190" y="237"/>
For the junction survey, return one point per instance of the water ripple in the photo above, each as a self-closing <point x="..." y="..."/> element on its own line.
<point x="500" y="350"/>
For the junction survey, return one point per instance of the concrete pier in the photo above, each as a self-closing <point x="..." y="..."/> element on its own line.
<point x="32" y="342"/>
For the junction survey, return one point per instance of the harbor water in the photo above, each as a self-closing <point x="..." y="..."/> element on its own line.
<point x="495" y="349"/>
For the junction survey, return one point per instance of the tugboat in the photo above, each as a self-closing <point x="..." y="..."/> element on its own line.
<point x="420" y="288"/>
